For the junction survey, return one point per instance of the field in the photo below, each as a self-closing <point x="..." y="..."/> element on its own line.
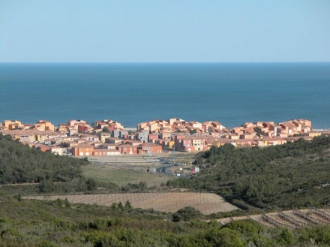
<point x="207" y="203"/>
<point x="123" y="176"/>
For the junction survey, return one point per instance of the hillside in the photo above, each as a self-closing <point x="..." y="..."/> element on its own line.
<point x="231" y="172"/>
<point x="295" y="174"/>
<point x="22" y="164"/>
<point x="59" y="223"/>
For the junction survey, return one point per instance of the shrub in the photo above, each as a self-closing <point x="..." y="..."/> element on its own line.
<point x="187" y="214"/>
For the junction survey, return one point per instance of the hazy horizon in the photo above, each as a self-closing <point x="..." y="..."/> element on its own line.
<point x="165" y="62"/>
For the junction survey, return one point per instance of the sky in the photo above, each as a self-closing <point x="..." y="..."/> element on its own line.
<point x="164" y="31"/>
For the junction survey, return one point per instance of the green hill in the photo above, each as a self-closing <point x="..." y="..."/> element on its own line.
<point x="290" y="175"/>
<point x="22" y="164"/>
<point x="260" y="177"/>
<point x="34" y="223"/>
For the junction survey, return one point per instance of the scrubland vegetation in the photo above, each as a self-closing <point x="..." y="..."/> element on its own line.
<point x="22" y="164"/>
<point x="59" y="223"/>
<point x="295" y="174"/>
<point x="279" y="177"/>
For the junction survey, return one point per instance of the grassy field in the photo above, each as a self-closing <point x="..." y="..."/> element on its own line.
<point x="122" y="177"/>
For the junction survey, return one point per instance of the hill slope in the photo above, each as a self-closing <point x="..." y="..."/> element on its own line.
<point x="59" y="223"/>
<point x="22" y="164"/>
<point x="289" y="175"/>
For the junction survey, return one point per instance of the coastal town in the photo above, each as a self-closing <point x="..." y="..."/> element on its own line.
<point x="108" y="137"/>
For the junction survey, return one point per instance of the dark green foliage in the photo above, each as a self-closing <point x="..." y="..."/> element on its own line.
<point x="136" y="187"/>
<point x="246" y="227"/>
<point x="52" y="223"/>
<point x="75" y="185"/>
<point x="187" y="214"/>
<point x="106" y="130"/>
<point x="91" y="184"/>
<point x="120" y="206"/>
<point x="285" y="237"/>
<point x="191" y="132"/>
<point x="269" y="177"/>
<point x="258" y="131"/>
<point x="22" y="164"/>
<point x="319" y="235"/>
<point x="128" y="205"/>
<point x="224" y="238"/>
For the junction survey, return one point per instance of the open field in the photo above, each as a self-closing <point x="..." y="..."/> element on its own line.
<point x="125" y="160"/>
<point x="144" y="160"/>
<point x="121" y="176"/>
<point x="207" y="203"/>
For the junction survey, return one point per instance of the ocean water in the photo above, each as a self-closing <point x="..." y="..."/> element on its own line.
<point x="230" y="93"/>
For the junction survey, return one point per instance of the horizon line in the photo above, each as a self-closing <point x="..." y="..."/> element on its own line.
<point x="284" y="62"/>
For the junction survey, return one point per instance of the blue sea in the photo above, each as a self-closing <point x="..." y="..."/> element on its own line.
<point x="231" y="93"/>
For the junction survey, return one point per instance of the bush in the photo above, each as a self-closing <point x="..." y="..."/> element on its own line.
<point x="224" y="238"/>
<point x="187" y="214"/>
<point x="246" y="227"/>
<point x="285" y="237"/>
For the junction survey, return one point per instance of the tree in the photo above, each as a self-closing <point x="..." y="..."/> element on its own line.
<point x="193" y="132"/>
<point x="258" y="130"/>
<point x="46" y="186"/>
<point x="91" y="184"/>
<point x="224" y="237"/>
<point x="120" y="206"/>
<point x="106" y="130"/>
<point x="285" y="237"/>
<point x="187" y="214"/>
<point x="128" y="205"/>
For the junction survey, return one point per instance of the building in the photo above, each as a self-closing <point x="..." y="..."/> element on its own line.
<point x="128" y="149"/>
<point x="12" y="125"/>
<point x="150" y="148"/>
<point x="43" y="125"/>
<point x="142" y="136"/>
<point x="57" y="150"/>
<point x="106" y="152"/>
<point x="82" y="150"/>
<point x="113" y="140"/>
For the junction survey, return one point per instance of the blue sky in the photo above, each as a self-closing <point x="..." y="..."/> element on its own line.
<point x="164" y="31"/>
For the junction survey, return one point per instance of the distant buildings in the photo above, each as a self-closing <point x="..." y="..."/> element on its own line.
<point x="108" y="137"/>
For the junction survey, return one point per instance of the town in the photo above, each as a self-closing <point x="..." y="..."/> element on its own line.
<point x="108" y="137"/>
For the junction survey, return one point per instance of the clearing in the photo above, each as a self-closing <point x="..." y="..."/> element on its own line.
<point x="207" y="203"/>
<point x="123" y="176"/>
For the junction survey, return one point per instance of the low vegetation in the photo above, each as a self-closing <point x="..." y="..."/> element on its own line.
<point x="59" y="223"/>
<point x="121" y="177"/>
<point x="22" y="164"/>
<point x="291" y="175"/>
<point x="296" y="174"/>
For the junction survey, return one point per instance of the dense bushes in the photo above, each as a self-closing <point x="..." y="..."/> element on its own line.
<point x="22" y="164"/>
<point x="187" y="214"/>
<point x="59" y="223"/>
<point x="270" y="177"/>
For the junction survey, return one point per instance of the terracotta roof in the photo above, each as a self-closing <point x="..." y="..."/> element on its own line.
<point x="83" y="146"/>
<point x="150" y="145"/>
<point x="106" y="150"/>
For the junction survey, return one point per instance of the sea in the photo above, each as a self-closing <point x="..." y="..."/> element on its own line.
<point x="230" y="93"/>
